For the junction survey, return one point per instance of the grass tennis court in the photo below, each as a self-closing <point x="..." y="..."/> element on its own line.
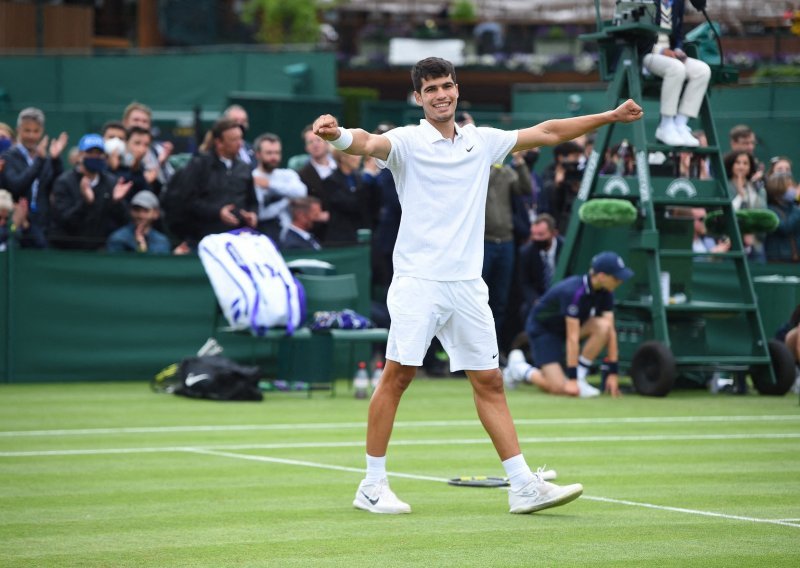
<point x="113" y="475"/>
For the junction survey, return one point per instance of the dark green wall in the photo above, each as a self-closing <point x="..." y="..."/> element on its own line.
<point x="71" y="316"/>
<point x="79" y="93"/>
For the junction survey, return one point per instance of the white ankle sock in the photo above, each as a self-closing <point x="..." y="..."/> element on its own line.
<point x="681" y="120"/>
<point x="666" y="121"/>
<point x="518" y="472"/>
<point x="376" y="469"/>
<point x="584" y="365"/>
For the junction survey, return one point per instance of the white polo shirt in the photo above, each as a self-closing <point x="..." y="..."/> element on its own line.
<point x="442" y="187"/>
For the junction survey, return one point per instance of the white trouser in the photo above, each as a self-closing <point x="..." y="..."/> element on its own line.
<point x="694" y="72"/>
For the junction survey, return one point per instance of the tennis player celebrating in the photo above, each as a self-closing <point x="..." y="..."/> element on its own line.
<point x="441" y="172"/>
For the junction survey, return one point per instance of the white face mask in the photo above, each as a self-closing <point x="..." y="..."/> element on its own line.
<point x="114" y="145"/>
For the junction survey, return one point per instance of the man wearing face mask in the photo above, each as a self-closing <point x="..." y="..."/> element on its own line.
<point x="88" y="202"/>
<point x="31" y="166"/>
<point x="537" y="261"/>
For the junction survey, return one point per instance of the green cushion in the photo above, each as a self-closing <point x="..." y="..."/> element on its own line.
<point x="608" y="212"/>
<point x="749" y="221"/>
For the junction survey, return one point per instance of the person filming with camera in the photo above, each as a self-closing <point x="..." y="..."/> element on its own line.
<point x="562" y="181"/>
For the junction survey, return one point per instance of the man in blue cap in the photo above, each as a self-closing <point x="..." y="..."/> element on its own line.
<point x="577" y="309"/>
<point x="88" y="202"/>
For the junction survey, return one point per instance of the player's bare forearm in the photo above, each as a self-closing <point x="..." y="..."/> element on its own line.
<point x="552" y="132"/>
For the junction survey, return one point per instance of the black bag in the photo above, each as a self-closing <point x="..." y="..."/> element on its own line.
<point x="213" y="377"/>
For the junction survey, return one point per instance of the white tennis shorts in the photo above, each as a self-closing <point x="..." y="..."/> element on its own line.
<point x="456" y="312"/>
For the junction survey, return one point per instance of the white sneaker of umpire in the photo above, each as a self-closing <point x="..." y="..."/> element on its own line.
<point x="378" y="498"/>
<point x="540" y="494"/>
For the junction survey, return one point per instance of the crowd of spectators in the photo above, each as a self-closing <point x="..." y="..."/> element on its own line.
<point x="117" y="190"/>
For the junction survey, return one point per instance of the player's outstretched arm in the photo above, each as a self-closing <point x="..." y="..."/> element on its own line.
<point x="552" y="132"/>
<point x="363" y="143"/>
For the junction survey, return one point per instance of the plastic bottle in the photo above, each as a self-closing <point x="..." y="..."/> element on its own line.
<point x="622" y="153"/>
<point x="376" y="375"/>
<point x="361" y="381"/>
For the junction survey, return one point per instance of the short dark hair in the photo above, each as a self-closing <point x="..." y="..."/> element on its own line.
<point x="266" y="137"/>
<point x="547" y="219"/>
<point x="567" y="148"/>
<point x="112" y="124"/>
<point x="137" y="130"/>
<point x="221" y="126"/>
<point x="431" y="68"/>
<point x="740" y="131"/>
<point x="302" y="205"/>
<point x="730" y="159"/>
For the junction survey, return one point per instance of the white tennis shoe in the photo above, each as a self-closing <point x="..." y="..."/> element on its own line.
<point x="539" y="494"/>
<point x="585" y="390"/>
<point x="378" y="498"/>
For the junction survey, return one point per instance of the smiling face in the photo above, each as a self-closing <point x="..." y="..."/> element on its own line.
<point x="438" y="97"/>
<point x="741" y="167"/>
<point x="30" y="133"/>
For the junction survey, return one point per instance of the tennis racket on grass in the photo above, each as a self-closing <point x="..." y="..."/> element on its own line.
<point x="489" y="481"/>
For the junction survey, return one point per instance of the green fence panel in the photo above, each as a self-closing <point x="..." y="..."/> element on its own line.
<point x="777" y="296"/>
<point x="76" y="316"/>
<point x="30" y="81"/>
<point x="88" y="317"/>
<point x="162" y="80"/>
<point x="290" y="73"/>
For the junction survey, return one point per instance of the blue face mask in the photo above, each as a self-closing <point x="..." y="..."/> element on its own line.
<point x="94" y="165"/>
<point x="5" y="144"/>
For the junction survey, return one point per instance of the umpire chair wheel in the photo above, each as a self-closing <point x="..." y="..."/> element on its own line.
<point x="653" y="369"/>
<point x="782" y="366"/>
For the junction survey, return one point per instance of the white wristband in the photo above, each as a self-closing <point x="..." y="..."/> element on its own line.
<point x="344" y="141"/>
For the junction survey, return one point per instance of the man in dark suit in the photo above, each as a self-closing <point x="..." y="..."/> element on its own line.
<point x="31" y="167"/>
<point x="537" y="261"/>
<point x="305" y="212"/>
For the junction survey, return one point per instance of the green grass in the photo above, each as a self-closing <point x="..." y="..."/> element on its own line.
<point x="74" y="495"/>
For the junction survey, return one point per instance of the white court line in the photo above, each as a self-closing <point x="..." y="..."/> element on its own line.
<point x="359" y="470"/>
<point x="431" y="442"/>
<point x="440" y="479"/>
<point x="399" y="424"/>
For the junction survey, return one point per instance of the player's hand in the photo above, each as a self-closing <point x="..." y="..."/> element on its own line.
<point x="612" y="386"/>
<point x="326" y="127"/>
<point x="628" y="111"/>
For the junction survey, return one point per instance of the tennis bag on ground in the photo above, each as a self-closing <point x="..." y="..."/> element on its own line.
<point x="254" y="287"/>
<point x="213" y="377"/>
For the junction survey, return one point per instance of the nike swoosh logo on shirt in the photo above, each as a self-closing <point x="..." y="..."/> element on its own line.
<point x="470" y="148"/>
